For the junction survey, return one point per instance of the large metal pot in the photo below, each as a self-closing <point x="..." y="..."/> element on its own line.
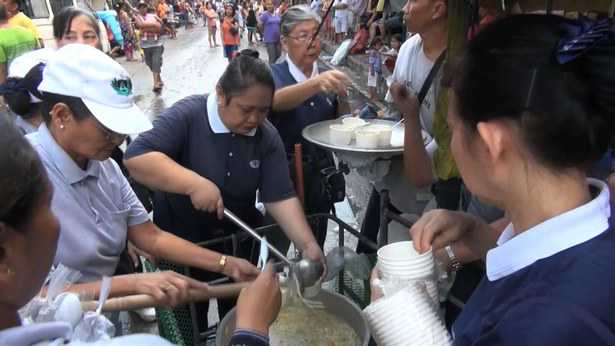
<point x="335" y="304"/>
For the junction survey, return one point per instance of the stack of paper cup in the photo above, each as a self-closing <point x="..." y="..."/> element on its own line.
<point x="406" y="318"/>
<point x="400" y="261"/>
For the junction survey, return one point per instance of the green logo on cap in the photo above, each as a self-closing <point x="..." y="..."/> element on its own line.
<point x="122" y="87"/>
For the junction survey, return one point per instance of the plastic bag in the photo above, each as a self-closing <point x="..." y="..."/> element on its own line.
<point x="43" y="309"/>
<point x="341" y="52"/>
<point x="343" y="257"/>
<point x="94" y="326"/>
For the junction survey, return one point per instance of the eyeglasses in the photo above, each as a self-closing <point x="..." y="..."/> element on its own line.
<point x="304" y="38"/>
<point x="109" y="135"/>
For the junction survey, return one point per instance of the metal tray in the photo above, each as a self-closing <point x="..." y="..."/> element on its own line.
<point x="319" y="134"/>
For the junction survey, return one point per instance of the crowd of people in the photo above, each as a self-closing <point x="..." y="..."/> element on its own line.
<point x="523" y="119"/>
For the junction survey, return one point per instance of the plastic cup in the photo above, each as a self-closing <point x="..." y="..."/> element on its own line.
<point x="385" y="134"/>
<point x="340" y="134"/>
<point x="401" y="251"/>
<point x="367" y="139"/>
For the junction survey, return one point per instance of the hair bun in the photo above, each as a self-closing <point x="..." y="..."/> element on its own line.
<point x="248" y="53"/>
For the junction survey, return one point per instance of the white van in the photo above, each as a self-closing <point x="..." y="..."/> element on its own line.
<point x="41" y="12"/>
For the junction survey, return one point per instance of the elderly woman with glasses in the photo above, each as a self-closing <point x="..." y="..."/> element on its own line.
<point x="306" y="94"/>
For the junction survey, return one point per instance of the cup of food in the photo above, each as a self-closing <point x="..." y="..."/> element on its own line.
<point x="356" y="123"/>
<point x="367" y="138"/>
<point x="385" y="134"/>
<point x="340" y="134"/>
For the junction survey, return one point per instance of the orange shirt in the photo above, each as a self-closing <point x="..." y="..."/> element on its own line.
<point x="162" y="10"/>
<point x="228" y="37"/>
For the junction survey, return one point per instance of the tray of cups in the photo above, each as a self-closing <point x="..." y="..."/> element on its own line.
<point x="354" y="135"/>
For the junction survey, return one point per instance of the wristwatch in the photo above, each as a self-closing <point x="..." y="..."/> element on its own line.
<point x="455" y="264"/>
<point x="222" y="264"/>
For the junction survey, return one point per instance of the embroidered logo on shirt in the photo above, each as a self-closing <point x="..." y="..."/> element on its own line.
<point x="255" y="163"/>
<point x="122" y="87"/>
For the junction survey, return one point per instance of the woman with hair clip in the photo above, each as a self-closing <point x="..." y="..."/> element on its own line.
<point x="199" y="164"/>
<point x="526" y="147"/>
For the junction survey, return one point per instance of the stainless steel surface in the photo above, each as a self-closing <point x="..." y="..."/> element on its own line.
<point x="237" y="221"/>
<point x="319" y="134"/>
<point x="334" y="303"/>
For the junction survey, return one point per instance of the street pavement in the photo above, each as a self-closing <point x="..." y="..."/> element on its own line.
<point x="190" y="67"/>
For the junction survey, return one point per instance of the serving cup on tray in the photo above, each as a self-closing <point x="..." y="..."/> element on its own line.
<point x="367" y="138"/>
<point x="386" y="131"/>
<point x="340" y="134"/>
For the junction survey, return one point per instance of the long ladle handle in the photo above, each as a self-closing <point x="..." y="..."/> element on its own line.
<point x="237" y="221"/>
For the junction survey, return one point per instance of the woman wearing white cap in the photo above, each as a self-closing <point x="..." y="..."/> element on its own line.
<point x="89" y="110"/>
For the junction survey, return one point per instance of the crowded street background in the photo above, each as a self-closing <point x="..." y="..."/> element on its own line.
<point x="441" y="161"/>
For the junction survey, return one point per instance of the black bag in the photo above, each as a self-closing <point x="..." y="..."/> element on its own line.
<point x="234" y="32"/>
<point x="333" y="184"/>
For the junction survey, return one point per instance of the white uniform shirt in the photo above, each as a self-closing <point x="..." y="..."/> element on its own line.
<point x="412" y="67"/>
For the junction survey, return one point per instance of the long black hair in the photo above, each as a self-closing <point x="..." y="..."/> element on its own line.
<point x="22" y="178"/>
<point x="244" y="71"/>
<point x="63" y="20"/>
<point x="510" y="70"/>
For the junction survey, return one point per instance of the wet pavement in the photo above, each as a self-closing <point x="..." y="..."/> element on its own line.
<point x="190" y="67"/>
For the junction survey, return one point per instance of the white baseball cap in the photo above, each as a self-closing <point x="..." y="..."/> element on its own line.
<point x="102" y="84"/>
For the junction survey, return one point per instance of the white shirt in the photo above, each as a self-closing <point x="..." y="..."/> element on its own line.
<point x="341" y="13"/>
<point x="217" y="126"/>
<point x="412" y="67"/>
<point x="296" y="72"/>
<point x="546" y="239"/>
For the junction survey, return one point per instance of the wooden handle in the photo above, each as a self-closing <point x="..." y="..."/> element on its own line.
<point x="299" y="174"/>
<point x="142" y="301"/>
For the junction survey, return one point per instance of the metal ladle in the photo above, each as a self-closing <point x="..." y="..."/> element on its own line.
<point x="309" y="272"/>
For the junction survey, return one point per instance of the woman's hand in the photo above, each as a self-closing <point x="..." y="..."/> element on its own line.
<point x="314" y="252"/>
<point x="405" y="100"/>
<point x="376" y="292"/>
<point x="438" y="228"/>
<point x="135" y="252"/>
<point x="333" y="80"/>
<point x="206" y="196"/>
<point x="239" y="269"/>
<point x="258" y="305"/>
<point x="168" y="288"/>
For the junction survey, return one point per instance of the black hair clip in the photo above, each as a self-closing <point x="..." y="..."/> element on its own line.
<point x="11" y="86"/>
<point x="584" y="34"/>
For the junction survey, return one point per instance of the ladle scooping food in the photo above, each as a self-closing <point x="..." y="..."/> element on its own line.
<point x="307" y="271"/>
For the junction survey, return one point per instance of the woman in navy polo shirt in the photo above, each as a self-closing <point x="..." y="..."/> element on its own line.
<point x="306" y="94"/>
<point x="210" y="152"/>
<point x="525" y="146"/>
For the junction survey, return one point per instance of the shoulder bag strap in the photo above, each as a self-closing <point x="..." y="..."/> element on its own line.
<point x="430" y="77"/>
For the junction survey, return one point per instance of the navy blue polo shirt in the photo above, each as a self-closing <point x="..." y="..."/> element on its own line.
<point x="550" y="285"/>
<point x="192" y="134"/>
<point x="320" y="107"/>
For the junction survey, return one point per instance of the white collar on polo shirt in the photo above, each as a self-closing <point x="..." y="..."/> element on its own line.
<point x="296" y="72"/>
<point x="214" y="117"/>
<point x="557" y="234"/>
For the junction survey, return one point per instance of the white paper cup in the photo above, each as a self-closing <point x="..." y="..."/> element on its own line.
<point x="353" y="121"/>
<point x="340" y="134"/>
<point x="408" y="317"/>
<point x="367" y="138"/>
<point x="385" y="134"/>
<point x="401" y="251"/>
